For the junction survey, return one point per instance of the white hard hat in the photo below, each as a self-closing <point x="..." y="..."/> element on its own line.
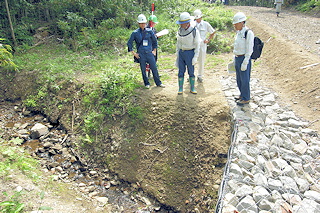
<point x="197" y="14"/>
<point x="239" y="17"/>
<point x="184" y="18"/>
<point x="142" y="19"/>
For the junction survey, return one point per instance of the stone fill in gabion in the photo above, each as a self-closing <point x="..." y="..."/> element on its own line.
<point x="274" y="158"/>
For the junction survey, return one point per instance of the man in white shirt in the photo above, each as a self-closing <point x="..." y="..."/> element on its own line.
<point x="187" y="49"/>
<point x="204" y="28"/>
<point x="243" y="48"/>
<point x="278" y="4"/>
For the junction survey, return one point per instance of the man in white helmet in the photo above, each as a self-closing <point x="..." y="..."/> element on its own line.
<point x="243" y="48"/>
<point x="204" y="28"/>
<point x="187" y="49"/>
<point x="146" y="45"/>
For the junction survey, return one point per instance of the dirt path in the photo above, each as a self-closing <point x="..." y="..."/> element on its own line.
<point x="296" y="27"/>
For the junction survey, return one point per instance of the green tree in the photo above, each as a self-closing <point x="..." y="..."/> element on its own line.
<point x="10" y="23"/>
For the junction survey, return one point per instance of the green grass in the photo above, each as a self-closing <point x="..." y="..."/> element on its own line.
<point x="15" y="158"/>
<point x="309" y="6"/>
<point x="12" y="204"/>
<point x="106" y="84"/>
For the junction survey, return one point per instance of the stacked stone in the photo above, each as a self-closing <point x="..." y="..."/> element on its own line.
<point x="274" y="159"/>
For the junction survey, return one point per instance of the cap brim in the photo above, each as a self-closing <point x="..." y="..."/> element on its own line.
<point x="182" y="22"/>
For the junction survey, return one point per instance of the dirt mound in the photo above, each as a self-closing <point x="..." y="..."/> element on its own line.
<point x="178" y="152"/>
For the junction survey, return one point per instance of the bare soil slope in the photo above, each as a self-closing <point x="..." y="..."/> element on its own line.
<point x="177" y="154"/>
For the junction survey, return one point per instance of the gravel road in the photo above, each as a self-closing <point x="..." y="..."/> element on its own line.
<point x="297" y="27"/>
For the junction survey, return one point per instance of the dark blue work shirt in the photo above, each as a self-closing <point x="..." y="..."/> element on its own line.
<point x="146" y="45"/>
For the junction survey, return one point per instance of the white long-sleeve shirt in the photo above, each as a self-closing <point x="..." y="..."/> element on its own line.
<point x="187" y="40"/>
<point x="204" y="28"/>
<point x="242" y="45"/>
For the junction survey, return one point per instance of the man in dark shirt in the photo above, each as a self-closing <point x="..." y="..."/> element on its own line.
<point x="146" y="44"/>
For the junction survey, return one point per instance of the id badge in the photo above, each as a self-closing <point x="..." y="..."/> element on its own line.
<point x="145" y="43"/>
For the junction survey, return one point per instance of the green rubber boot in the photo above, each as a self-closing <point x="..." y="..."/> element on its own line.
<point x="180" y="80"/>
<point x="192" y="89"/>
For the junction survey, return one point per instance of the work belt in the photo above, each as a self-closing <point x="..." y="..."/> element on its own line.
<point x="185" y="50"/>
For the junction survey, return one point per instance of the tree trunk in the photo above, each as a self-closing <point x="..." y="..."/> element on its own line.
<point x="10" y="22"/>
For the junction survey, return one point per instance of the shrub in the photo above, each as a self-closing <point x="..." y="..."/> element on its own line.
<point x="6" y="57"/>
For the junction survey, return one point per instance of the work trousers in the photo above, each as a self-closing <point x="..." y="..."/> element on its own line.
<point x="148" y="57"/>
<point x="202" y="59"/>
<point x="243" y="78"/>
<point x="278" y="8"/>
<point x="185" y="61"/>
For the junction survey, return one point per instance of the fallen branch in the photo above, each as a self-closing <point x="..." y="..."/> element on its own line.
<point x="310" y="65"/>
<point x="147" y="144"/>
<point x="64" y="139"/>
<point x="201" y="127"/>
<point x="161" y="151"/>
<point x="78" y="157"/>
<point x="268" y="39"/>
<point x="72" y="117"/>
<point x="43" y="40"/>
<point x="152" y="162"/>
<point x="144" y="143"/>
<point x="314" y="121"/>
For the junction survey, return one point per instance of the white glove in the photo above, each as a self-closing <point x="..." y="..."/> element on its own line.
<point x="244" y="66"/>
<point x="194" y="60"/>
<point x="176" y="63"/>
